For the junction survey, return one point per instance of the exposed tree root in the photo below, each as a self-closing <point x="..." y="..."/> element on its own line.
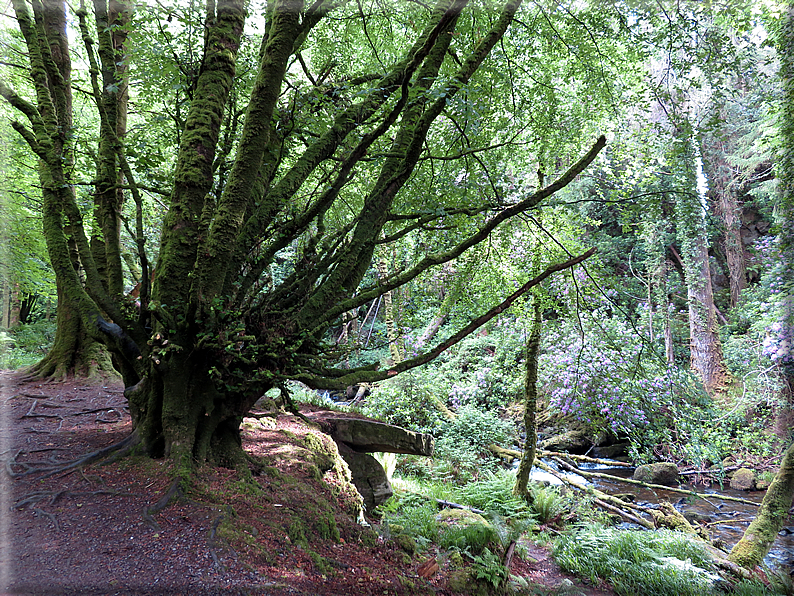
<point x="55" y="495"/>
<point x="49" y="516"/>
<point x="111" y="453"/>
<point x="212" y="538"/>
<point x="174" y="492"/>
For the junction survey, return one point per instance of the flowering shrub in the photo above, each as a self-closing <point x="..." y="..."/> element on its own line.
<point x="608" y="379"/>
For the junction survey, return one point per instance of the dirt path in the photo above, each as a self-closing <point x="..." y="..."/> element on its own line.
<point x="84" y="531"/>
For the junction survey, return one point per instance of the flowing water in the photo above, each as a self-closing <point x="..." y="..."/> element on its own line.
<point x="728" y="519"/>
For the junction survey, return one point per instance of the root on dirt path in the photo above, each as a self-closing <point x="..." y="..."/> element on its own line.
<point x="110" y="454"/>
<point x="174" y="492"/>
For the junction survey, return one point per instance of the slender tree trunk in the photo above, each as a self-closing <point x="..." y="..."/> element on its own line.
<point x="530" y="402"/>
<point x="451" y="296"/>
<point x="396" y="347"/>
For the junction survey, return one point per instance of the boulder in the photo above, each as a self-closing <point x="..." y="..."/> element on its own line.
<point x="370" y="436"/>
<point x="658" y="473"/>
<point x="368" y="475"/>
<point x="743" y="479"/>
<point x="610" y="451"/>
<point x="573" y="441"/>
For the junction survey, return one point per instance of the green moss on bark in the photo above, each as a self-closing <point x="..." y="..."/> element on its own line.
<point x="762" y="532"/>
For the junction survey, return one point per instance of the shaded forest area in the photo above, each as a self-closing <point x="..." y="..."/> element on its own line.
<point x="518" y="227"/>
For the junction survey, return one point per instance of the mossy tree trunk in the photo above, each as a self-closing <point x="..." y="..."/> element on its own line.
<point x="779" y="497"/>
<point x="530" y="402"/>
<point x="770" y="519"/>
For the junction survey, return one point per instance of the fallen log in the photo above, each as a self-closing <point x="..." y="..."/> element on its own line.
<point x="601" y="496"/>
<point x="682" y="491"/>
<point x="511" y="454"/>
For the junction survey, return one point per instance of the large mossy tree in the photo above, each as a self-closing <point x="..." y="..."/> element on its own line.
<point x="324" y="168"/>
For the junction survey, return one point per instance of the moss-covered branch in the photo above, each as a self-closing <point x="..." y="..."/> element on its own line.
<point x="193" y="176"/>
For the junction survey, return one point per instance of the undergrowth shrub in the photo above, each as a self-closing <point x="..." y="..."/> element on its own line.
<point x="494" y="493"/>
<point x="547" y="502"/>
<point x="414" y="516"/>
<point x="462" y="443"/>
<point x="25" y="345"/>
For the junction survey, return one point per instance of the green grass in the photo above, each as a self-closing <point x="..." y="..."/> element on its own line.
<point x="662" y="562"/>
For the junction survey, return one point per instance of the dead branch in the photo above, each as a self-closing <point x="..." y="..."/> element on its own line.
<point x="505" y="453"/>
<point x="450" y="505"/>
<point x="624" y="514"/>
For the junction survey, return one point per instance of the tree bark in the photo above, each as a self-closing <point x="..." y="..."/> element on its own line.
<point x="772" y="515"/>
<point x="530" y="402"/>
<point x="704" y="342"/>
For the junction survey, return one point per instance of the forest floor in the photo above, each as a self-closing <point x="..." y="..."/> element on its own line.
<point x="90" y="530"/>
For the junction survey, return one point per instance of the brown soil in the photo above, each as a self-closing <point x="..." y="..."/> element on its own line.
<point x="86" y="530"/>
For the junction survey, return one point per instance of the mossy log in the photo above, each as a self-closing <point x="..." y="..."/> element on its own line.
<point x="682" y="491"/>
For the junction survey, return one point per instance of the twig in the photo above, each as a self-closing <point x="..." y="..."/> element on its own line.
<point x="729" y="521"/>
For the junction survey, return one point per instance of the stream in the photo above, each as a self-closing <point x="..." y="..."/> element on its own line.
<point x="732" y="517"/>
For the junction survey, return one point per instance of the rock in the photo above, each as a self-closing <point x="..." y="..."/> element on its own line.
<point x="658" y="473"/>
<point x="610" y="451"/>
<point x="369" y="477"/>
<point x="371" y="436"/>
<point x="762" y="483"/>
<point x="694" y="517"/>
<point x="573" y="441"/>
<point x="743" y="479"/>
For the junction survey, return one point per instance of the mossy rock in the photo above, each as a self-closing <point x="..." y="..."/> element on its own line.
<point x="406" y="543"/>
<point x="465" y="529"/>
<point x="743" y="479"/>
<point x="572" y="441"/>
<point x="659" y="473"/>
<point x="463" y="581"/>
